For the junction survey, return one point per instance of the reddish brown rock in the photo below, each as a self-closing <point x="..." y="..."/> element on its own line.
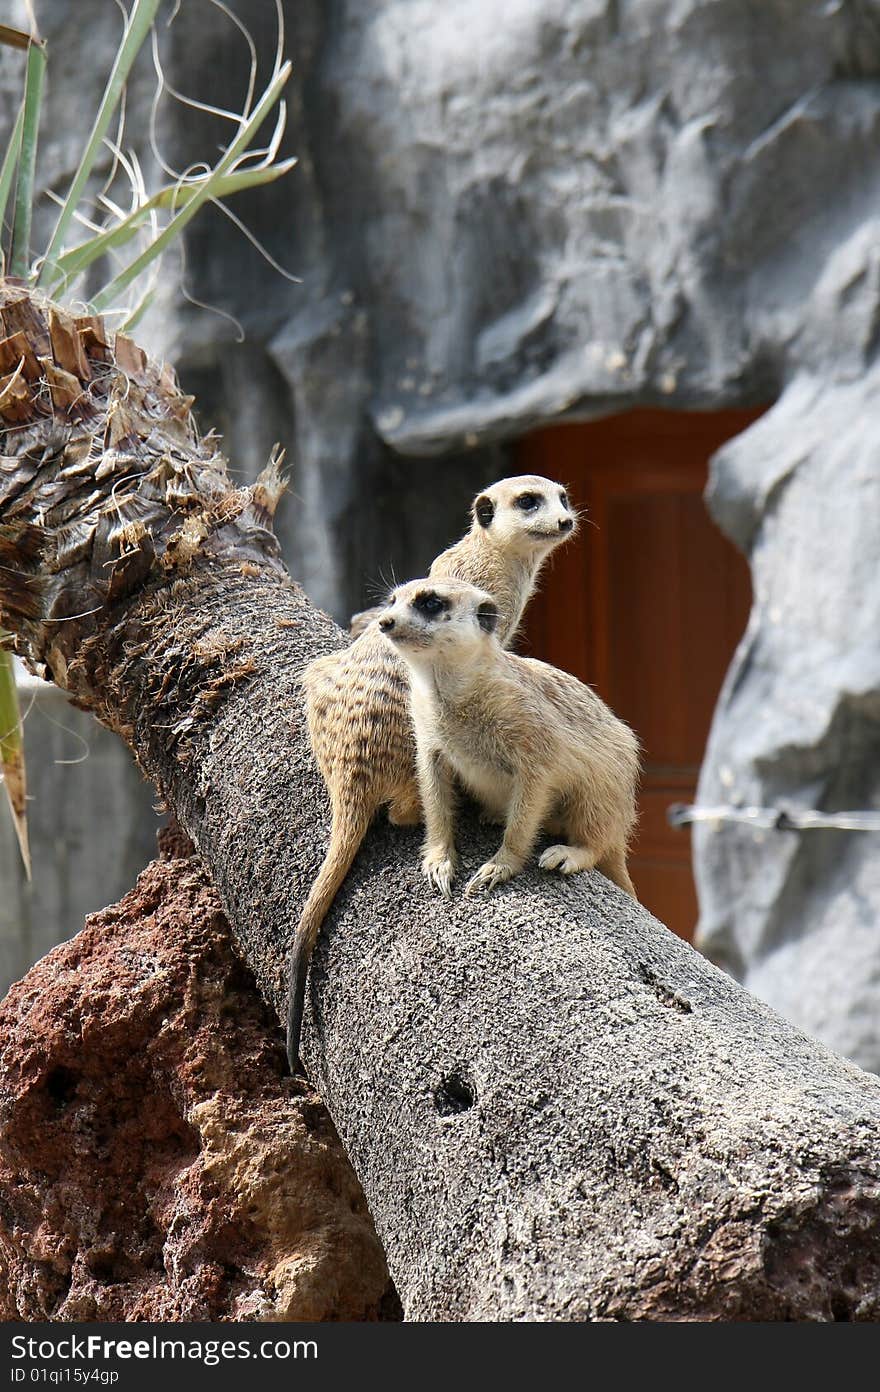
<point x="155" y="1161"/>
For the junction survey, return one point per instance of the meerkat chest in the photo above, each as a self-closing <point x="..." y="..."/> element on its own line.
<point x="465" y="732"/>
<point x="477" y="752"/>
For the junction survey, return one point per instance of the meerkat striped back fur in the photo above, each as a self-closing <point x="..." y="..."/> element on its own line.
<point x="357" y="699"/>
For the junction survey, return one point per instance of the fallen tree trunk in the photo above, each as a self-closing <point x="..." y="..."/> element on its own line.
<point x="556" y="1109"/>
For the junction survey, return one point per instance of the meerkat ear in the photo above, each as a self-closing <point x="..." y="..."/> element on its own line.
<point x="484" y="510"/>
<point x="487" y="616"/>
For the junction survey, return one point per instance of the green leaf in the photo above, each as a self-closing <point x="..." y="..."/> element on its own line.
<point x="140" y="21"/>
<point x="10" y="160"/>
<point x="173" y="196"/>
<point x="206" y="190"/>
<point x="24" y="195"/>
<point x="12" y="767"/>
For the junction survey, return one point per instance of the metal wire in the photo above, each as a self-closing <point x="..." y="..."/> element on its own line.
<point x="679" y="814"/>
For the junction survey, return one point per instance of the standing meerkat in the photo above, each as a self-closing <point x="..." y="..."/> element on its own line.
<point x="532" y="743"/>
<point x="357" y="699"/>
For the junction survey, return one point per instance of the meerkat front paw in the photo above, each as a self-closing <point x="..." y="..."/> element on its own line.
<point x="568" y="860"/>
<point x="439" y="867"/>
<point x="489" y="876"/>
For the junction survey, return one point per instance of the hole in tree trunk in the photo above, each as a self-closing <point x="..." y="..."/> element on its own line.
<point x="455" y="1094"/>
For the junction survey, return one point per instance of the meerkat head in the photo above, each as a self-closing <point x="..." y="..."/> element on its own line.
<point x="529" y="514"/>
<point x="439" y="620"/>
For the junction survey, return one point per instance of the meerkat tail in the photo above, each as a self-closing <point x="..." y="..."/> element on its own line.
<point x="348" y="829"/>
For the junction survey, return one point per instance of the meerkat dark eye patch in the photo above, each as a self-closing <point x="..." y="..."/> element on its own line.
<point x="487" y="616"/>
<point x="563" y="498"/>
<point x="528" y="502"/>
<point x="484" y="510"/>
<point x="430" y="604"/>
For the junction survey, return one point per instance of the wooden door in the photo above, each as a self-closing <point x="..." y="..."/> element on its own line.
<point x="647" y="605"/>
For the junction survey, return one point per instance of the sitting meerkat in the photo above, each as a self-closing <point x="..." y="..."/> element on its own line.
<point x="357" y="699"/>
<point x="533" y="744"/>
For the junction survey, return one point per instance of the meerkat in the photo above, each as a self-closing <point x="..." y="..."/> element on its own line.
<point x="357" y="699"/>
<point x="533" y="744"/>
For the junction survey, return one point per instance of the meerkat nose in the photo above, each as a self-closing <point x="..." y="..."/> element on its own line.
<point x="386" y="623"/>
<point x="565" y="524"/>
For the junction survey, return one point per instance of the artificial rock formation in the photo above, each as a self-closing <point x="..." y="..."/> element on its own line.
<point x="795" y="915"/>
<point x="508" y="213"/>
<point x="518" y="212"/>
<point x="155" y="1161"/>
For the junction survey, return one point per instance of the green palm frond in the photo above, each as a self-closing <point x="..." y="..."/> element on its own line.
<point x="9" y="163"/>
<point x="27" y="157"/>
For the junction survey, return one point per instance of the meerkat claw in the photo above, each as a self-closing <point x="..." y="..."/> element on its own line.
<point x="488" y="877"/>
<point x="441" y="874"/>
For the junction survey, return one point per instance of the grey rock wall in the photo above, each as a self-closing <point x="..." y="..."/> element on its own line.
<point x="510" y="212"/>
<point x="91" y="825"/>
<point x="796" y="915"/>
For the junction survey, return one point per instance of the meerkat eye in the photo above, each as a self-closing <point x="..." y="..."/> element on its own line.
<point x="430" y="604"/>
<point x="528" y="502"/>
<point x="563" y="498"/>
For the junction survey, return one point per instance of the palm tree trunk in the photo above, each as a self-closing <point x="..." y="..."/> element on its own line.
<point x="557" y="1110"/>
